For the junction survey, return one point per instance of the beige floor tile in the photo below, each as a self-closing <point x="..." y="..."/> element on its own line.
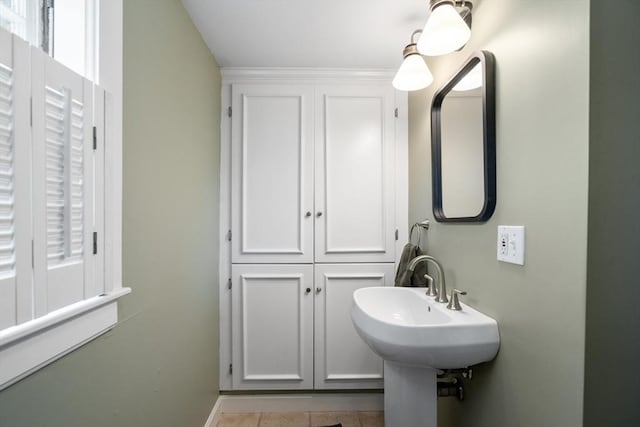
<point x="239" y="420"/>
<point x="284" y="419"/>
<point x="372" y="419"/>
<point x="347" y="419"/>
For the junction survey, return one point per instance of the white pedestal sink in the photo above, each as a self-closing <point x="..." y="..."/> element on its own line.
<point x="416" y="336"/>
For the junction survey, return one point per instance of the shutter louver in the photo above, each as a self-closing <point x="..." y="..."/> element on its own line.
<point x="55" y="144"/>
<point x="7" y="234"/>
<point x="64" y="134"/>
<point x="76" y="181"/>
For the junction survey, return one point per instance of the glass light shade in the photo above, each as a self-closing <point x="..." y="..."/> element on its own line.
<point x="445" y="32"/>
<point x="413" y="74"/>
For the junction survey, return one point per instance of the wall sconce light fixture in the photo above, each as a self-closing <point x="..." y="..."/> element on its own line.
<point x="413" y="73"/>
<point x="447" y="28"/>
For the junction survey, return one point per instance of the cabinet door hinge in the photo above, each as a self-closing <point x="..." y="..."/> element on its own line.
<point x="229" y="111"/>
<point x="397" y="234"/>
<point x="229" y="283"/>
<point x="95" y="242"/>
<point x="230" y="368"/>
<point x="95" y="138"/>
<point x="229" y="235"/>
<point x="31" y="112"/>
<point x="396" y="113"/>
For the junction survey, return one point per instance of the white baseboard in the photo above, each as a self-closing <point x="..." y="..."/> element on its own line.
<point x="333" y="402"/>
<point x="215" y="414"/>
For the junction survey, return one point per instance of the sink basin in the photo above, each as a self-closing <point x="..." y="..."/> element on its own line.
<point x="416" y="336"/>
<point x="404" y="325"/>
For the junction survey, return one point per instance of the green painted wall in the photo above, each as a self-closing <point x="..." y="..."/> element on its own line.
<point x="612" y="382"/>
<point x="542" y="57"/>
<point x="159" y="366"/>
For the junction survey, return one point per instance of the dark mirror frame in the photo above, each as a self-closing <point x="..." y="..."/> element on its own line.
<point x="489" y="138"/>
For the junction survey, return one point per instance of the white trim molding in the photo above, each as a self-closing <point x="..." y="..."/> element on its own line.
<point x="28" y="347"/>
<point x="353" y="76"/>
<point x="215" y="415"/>
<point x="110" y="77"/>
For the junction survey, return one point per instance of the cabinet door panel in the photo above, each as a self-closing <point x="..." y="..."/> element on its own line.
<point x="342" y="359"/>
<point x="354" y="174"/>
<point x="272" y="174"/>
<point x="272" y="327"/>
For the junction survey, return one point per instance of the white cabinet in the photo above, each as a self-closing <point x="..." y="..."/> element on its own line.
<point x="272" y="173"/>
<point x="288" y="319"/>
<point x="342" y="359"/>
<point x="354" y="174"/>
<point x="272" y="326"/>
<point x="277" y="145"/>
<point x="313" y="193"/>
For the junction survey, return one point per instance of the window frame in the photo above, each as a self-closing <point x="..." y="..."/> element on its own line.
<point x="31" y="345"/>
<point x="31" y="19"/>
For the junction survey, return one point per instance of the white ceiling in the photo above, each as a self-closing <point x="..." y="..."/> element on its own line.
<point x="307" y="33"/>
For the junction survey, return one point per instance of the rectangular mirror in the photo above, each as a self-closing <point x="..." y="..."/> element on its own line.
<point x="463" y="143"/>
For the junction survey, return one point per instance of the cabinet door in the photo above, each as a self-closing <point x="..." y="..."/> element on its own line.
<point x="354" y="197"/>
<point x="272" y="326"/>
<point x="272" y="174"/>
<point x="342" y="359"/>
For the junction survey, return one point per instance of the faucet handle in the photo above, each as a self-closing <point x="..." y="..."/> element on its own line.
<point x="431" y="289"/>
<point x="454" y="303"/>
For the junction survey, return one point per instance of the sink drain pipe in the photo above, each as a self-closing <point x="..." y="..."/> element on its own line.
<point x="450" y="382"/>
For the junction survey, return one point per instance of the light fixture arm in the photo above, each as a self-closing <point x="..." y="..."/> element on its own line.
<point x="414" y="34"/>
<point x="467" y="4"/>
<point x="411" y="48"/>
<point x="466" y="7"/>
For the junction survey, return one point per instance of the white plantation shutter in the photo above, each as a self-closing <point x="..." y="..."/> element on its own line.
<point x="63" y="185"/>
<point x="14" y="183"/>
<point x="7" y="213"/>
<point x="53" y="295"/>
<point x="64" y="137"/>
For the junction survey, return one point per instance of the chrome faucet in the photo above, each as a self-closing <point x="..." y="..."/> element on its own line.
<point x="442" y="288"/>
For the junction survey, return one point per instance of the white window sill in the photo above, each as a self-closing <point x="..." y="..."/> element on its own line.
<point x="32" y="345"/>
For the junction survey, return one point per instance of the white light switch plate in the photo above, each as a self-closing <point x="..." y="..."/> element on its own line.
<point x="511" y="244"/>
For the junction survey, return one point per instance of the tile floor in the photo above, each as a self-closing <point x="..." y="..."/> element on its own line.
<point x="302" y="419"/>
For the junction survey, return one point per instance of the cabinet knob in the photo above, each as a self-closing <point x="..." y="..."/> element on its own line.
<point x="318" y="290"/>
<point x="307" y="290"/>
<point x="319" y="214"/>
<point x="308" y="214"/>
